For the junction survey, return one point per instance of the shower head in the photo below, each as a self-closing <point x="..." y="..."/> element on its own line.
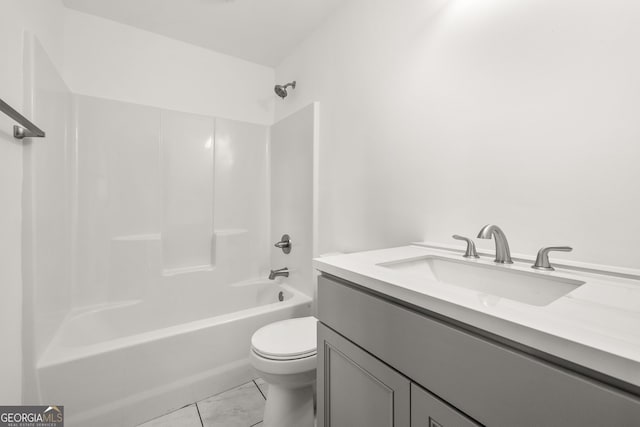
<point x="281" y="90"/>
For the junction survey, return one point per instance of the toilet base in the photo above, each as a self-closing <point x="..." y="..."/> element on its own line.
<point x="289" y="407"/>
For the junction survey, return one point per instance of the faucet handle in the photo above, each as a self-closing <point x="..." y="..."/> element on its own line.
<point x="542" y="260"/>
<point x="471" y="247"/>
<point x="284" y="244"/>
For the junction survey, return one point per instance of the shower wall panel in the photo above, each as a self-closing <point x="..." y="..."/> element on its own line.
<point x="187" y="178"/>
<point x="292" y="168"/>
<point x="166" y="200"/>
<point x="46" y="210"/>
<point x="118" y="188"/>
<point x="241" y="208"/>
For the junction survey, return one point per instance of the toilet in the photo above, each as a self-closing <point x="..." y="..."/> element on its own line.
<point x="284" y="355"/>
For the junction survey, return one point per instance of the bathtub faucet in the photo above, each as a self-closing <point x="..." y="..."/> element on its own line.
<point x="284" y="272"/>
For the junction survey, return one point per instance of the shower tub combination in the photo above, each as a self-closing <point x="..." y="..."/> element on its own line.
<point x="124" y="363"/>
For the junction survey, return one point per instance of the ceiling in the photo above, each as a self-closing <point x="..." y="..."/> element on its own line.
<point x="260" y="31"/>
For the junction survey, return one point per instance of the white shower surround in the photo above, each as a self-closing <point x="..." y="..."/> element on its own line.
<point x="171" y="238"/>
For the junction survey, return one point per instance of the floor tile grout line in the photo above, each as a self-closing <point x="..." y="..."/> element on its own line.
<point x="199" y="415"/>
<point x="166" y="414"/>
<point x="198" y="407"/>
<point x="226" y="390"/>
<point x="259" y="389"/>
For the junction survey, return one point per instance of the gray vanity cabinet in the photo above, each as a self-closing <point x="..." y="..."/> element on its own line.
<point x="357" y="389"/>
<point x="382" y="363"/>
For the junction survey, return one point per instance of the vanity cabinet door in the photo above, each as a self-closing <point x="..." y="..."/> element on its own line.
<point x="429" y="411"/>
<point x="357" y="390"/>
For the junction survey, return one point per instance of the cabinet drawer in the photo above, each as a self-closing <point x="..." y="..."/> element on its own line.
<point x="493" y="384"/>
<point x="429" y="411"/>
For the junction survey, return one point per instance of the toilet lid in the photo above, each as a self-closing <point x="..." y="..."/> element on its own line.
<point x="286" y="339"/>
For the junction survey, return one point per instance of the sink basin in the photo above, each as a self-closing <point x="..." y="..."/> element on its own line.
<point x="527" y="287"/>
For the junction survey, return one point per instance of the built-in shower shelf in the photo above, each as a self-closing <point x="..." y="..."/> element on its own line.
<point x="229" y="231"/>
<point x="168" y="272"/>
<point x="136" y="237"/>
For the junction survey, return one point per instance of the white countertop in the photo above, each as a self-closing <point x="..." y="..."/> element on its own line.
<point x="596" y="326"/>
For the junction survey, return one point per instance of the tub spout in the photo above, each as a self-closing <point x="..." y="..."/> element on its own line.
<point x="284" y="272"/>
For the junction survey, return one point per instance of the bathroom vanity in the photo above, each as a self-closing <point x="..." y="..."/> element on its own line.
<point x="417" y="336"/>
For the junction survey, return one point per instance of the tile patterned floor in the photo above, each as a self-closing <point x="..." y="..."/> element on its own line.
<point x="242" y="406"/>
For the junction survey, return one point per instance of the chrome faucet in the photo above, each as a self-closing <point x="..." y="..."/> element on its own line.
<point x="284" y="272"/>
<point x="503" y="254"/>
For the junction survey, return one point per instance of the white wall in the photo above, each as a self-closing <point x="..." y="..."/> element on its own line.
<point x="109" y="60"/>
<point x="43" y="18"/>
<point x="439" y="116"/>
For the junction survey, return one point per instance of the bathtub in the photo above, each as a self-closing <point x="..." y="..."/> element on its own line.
<point x="121" y="364"/>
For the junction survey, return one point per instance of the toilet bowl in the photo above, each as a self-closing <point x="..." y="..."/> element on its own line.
<point x="284" y="355"/>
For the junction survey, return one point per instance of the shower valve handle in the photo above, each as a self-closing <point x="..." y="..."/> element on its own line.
<point x="284" y="244"/>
